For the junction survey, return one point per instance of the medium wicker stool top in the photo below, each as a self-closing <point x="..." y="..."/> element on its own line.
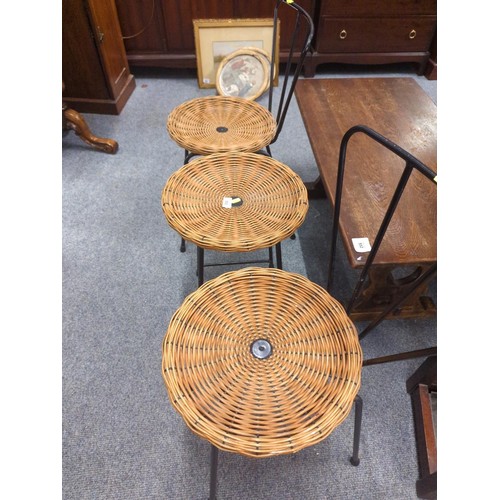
<point x="214" y="124"/>
<point x="235" y="202"/>
<point x="261" y="362"/>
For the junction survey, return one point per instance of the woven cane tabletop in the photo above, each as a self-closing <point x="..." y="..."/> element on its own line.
<point x="214" y="124"/>
<point x="235" y="202"/>
<point x="261" y="362"/>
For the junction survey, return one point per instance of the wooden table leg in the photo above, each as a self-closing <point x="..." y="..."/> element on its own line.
<point x="422" y="386"/>
<point x="315" y="189"/>
<point x="72" y="120"/>
<point x="383" y="289"/>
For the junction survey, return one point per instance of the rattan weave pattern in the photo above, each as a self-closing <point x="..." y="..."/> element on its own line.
<point x="261" y="407"/>
<point x="214" y="124"/>
<point x="274" y="201"/>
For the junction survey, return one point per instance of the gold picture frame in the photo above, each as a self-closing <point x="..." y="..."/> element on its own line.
<point x="243" y="73"/>
<point x="216" y="38"/>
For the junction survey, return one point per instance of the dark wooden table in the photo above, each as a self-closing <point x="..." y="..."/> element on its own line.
<point x="400" y="110"/>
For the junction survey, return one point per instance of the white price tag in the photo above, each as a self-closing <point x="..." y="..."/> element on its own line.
<point x="227" y="202"/>
<point x="361" y="245"/>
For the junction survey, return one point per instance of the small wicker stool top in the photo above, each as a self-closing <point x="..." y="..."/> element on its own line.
<point x="235" y="202"/>
<point x="261" y="362"/>
<point x="214" y="124"/>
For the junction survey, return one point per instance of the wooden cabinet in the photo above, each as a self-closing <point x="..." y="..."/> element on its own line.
<point x="95" y="69"/>
<point x="422" y="386"/>
<point x="373" y="32"/>
<point x="159" y="33"/>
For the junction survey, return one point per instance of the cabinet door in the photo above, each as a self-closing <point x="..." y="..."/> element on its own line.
<point x="81" y="66"/>
<point x="244" y="9"/>
<point x="108" y="36"/>
<point x="178" y="20"/>
<point x="165" y="26"/>
<point x="95" y="69"/>
<point x="142" y="26"/>
<point x="160" y="32"/>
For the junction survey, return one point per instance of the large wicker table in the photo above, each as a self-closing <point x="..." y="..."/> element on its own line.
<point x="262" y="362"/>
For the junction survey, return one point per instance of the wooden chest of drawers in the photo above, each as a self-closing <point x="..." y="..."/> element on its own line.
<point x="373" y="32"/>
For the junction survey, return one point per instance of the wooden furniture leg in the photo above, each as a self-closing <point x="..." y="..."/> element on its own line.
<point x="420" y="386"/>
<point x="384" y="289"/>
<point x="72" y="120"/>
<point x="316" y="189"/>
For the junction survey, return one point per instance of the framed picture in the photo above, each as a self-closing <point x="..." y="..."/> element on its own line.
<point x="216" y="38"/>
<point x="243" y="73"/>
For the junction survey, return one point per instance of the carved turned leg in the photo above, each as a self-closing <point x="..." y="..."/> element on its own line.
<point x="72" y="120"/>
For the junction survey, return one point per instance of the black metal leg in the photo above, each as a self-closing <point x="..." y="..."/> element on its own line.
<point x="187" y="156"/>
<point x="358" y="413"/>
<point x="214" y="460"/>
<point x="271" y="260"/>
<point x="200" y="257"/>
<point x="279" y="262"/>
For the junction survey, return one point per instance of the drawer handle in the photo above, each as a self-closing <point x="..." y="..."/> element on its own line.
<point x="412" y="34"/>
<point x="343" y="35"/>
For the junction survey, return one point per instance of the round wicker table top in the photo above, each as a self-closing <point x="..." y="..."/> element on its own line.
<point x="235" y="202"/>
<point x="218" y="124"/>
<point x="261" y="362"/>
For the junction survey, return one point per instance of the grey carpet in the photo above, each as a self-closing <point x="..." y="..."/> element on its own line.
<point x="123" y="277"/>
